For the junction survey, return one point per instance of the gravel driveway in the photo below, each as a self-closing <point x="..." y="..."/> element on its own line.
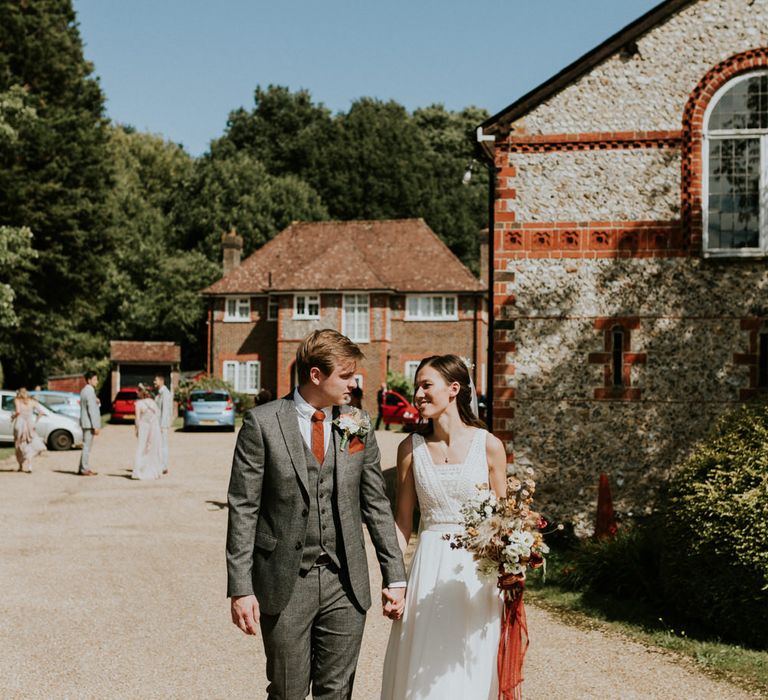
<point x="113" y="588"/>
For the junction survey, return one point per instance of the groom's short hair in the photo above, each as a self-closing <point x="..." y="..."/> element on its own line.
<point x="324" y="349"/>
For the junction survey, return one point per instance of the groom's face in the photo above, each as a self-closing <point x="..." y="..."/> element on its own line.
<point x="337" y="386"/>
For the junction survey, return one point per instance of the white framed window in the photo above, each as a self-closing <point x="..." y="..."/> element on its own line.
<point x="237" y="309"/>
<point x="244" y="377"/>
<point x="306" y="306"/>
<point x="410" y="370"/>
<point x="735" y="177"/>
<point x="356" y="319"/>
<point x="273" y="308"/>
<point x="431" y="307"/>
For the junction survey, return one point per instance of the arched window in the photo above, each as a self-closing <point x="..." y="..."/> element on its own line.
<point x="735" y="161"/>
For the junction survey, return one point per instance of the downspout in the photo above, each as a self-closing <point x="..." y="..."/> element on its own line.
<point x="490" y="163"/>
<point x="210" y="335"/>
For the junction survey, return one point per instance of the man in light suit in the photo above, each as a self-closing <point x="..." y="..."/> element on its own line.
<point x="164" y="400"/>
<point x="90" y="421"/>
<point x="298" y="496"/>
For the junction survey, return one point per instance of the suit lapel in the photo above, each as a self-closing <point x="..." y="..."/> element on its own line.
<point x="289" y="427"/>
<point x="340" y="462"/>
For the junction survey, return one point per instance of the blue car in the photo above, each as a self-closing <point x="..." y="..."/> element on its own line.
<point x="66" y="403"/>
<point x="209" y="408"/>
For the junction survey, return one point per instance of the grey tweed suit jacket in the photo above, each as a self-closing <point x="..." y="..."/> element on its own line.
<point x="268" y="501"/>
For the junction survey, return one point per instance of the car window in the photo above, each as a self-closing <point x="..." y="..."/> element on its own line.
<point x="393" y="400"/>
<point x="209" y="396"/>
<point x="125" y="396"/>
<point x="8" y="403"/>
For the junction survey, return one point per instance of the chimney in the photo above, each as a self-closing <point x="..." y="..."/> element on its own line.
<point x="483" y="237"/>
<point x="232" y="247"/>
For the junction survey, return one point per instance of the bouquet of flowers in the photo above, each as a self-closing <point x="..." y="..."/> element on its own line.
<point x="505" y="538"/>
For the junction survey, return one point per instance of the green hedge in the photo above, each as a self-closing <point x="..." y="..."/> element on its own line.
<point x="714" y="565"/>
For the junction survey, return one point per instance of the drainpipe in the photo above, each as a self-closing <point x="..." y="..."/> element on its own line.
<point x="210" y="335"/>
<point x="490" y="163"/>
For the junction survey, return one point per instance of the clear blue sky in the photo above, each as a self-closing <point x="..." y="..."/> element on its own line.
<point x="177" y="67"/>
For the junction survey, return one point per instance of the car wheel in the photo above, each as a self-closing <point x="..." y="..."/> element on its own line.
<point x="59" y="440"/>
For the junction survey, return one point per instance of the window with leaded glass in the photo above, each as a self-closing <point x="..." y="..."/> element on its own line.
<point x="735" y="157"/>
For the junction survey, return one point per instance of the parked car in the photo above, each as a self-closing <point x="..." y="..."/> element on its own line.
<point x="124" y="405"/>
<point x="59" y="432"/>
<point x="209" y="408"/>
<point x="65" y="402"/>
<point x="397" y="409"/>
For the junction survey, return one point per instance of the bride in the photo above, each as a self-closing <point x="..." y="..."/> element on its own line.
<point x="148" y="463"/>
<point x="445" y="645"/>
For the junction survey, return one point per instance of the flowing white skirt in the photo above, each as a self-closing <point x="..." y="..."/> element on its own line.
<point x="445" y="646"/>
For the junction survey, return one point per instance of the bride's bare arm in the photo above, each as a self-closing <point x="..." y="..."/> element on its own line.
<point x="406" y="493"/>
<point x="497" y="465"/>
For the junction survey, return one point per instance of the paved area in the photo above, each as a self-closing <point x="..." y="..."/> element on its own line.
<point x="113" y="588"/>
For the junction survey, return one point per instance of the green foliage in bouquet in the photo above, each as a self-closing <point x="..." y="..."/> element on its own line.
<point x="714" y="562"/>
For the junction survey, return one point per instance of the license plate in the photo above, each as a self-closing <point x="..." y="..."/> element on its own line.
<point x="209" y="422"/>
<point x="129" y="416"/>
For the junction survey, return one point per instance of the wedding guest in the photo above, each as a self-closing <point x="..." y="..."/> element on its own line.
<point x="380" y="396"/>
<point x="148" y="463"/>
<point x="90" y="421"/>
<point x="164" y="401"/>
<point x="27" y="442"/>
<point x="356" y="397"/>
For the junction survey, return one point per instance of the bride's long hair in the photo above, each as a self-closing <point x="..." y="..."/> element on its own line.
<point x="452" y="369"/>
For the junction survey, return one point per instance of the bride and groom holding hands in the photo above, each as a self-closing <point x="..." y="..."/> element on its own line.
<point x="306" y="475"/>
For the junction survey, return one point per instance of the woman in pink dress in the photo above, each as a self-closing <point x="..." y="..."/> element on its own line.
<point x="148" y="463"/>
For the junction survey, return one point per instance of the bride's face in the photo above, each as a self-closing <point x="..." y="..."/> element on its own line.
<point x="433" y="394"/>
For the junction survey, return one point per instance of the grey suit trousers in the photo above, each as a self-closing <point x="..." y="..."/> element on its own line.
<point x="85" y="455"/>
<point x="319" y="618"/>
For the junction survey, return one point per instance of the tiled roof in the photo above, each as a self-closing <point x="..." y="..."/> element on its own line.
<point x="402" y="255"/>
<point x="143" y="351"/>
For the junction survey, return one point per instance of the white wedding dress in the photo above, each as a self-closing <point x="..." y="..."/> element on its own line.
<point x="445" y="645"/>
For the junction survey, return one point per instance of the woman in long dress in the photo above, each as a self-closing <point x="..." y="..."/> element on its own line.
<point x="445" y="645"/>
<point x="26" y="440"/>
<point x="148" y="463"/>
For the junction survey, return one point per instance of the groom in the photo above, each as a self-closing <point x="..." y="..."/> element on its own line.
<point x="296" y="558"/>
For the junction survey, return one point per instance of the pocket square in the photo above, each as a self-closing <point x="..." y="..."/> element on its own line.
<point x="356" y="445"/>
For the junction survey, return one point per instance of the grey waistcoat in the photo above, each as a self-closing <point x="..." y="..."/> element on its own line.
<point x="323" y="530"/>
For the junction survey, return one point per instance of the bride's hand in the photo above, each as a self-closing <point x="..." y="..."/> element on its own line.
<point x="393" y="602"/>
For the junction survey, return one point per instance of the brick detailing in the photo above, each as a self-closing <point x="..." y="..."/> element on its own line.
<point x="595" y="141"/>
<point x="692" y="135"/>
<point x="751" y="359"/>
<point x="610" y="390"/>
<point x="591" y="239"/>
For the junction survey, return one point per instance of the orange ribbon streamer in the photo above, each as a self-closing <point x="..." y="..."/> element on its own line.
<point x="514" y="638"/>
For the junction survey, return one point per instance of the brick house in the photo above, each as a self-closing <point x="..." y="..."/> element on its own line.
<point x="629" y="247"/>
<point x="391" y="286"/>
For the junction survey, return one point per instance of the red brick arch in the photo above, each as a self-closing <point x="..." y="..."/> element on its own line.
<point x="693" y="128"/>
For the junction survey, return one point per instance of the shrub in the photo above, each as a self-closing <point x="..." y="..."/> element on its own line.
<point x="401" y="384"/>
<point x="715" y="553"/>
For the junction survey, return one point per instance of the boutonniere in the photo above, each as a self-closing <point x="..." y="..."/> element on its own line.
<point x="352" y="424"/>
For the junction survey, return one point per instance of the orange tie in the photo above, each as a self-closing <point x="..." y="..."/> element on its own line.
<point x="318" y="436"/>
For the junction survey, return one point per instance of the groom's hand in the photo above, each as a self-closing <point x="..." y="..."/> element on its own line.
<point x="245" y="613"/>
<point x="393" y="602"/>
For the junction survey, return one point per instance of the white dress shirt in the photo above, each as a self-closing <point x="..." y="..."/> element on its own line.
<point x="305" y="411"/>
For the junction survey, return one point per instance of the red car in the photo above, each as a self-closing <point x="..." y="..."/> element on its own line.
<point x="124" y="405"/>
<point x="397" y="409"/>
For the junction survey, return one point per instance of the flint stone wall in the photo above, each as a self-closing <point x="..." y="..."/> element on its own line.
<point x="648" y="91"/>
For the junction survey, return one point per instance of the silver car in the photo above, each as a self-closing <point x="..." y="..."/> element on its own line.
<point x="65" y="402"/>
<point x="59" y="432"/>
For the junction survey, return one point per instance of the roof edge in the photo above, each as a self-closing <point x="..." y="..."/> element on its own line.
<point x="495" y="124"/>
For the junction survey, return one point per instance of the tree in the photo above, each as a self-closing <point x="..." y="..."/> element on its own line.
<point x="54" y="181"/>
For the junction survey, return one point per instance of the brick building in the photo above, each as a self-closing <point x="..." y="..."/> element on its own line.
<point x="629" y="251"/>
<point x="137" y="361"/>
<point x="391" y="286"/>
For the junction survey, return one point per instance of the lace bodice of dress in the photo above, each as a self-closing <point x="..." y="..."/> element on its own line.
<point x="442" y="489"/>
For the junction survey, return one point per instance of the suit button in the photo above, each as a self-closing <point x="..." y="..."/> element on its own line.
<point x="305" y="512"/>
<point x="322" y="511"/>
<point x="298" y="545"/>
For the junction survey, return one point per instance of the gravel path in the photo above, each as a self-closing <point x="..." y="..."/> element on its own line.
<point x="115" y="589"/>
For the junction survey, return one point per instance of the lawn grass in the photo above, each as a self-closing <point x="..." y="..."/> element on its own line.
<point x="6" y="452"/>
<point x="747" y="668"/>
